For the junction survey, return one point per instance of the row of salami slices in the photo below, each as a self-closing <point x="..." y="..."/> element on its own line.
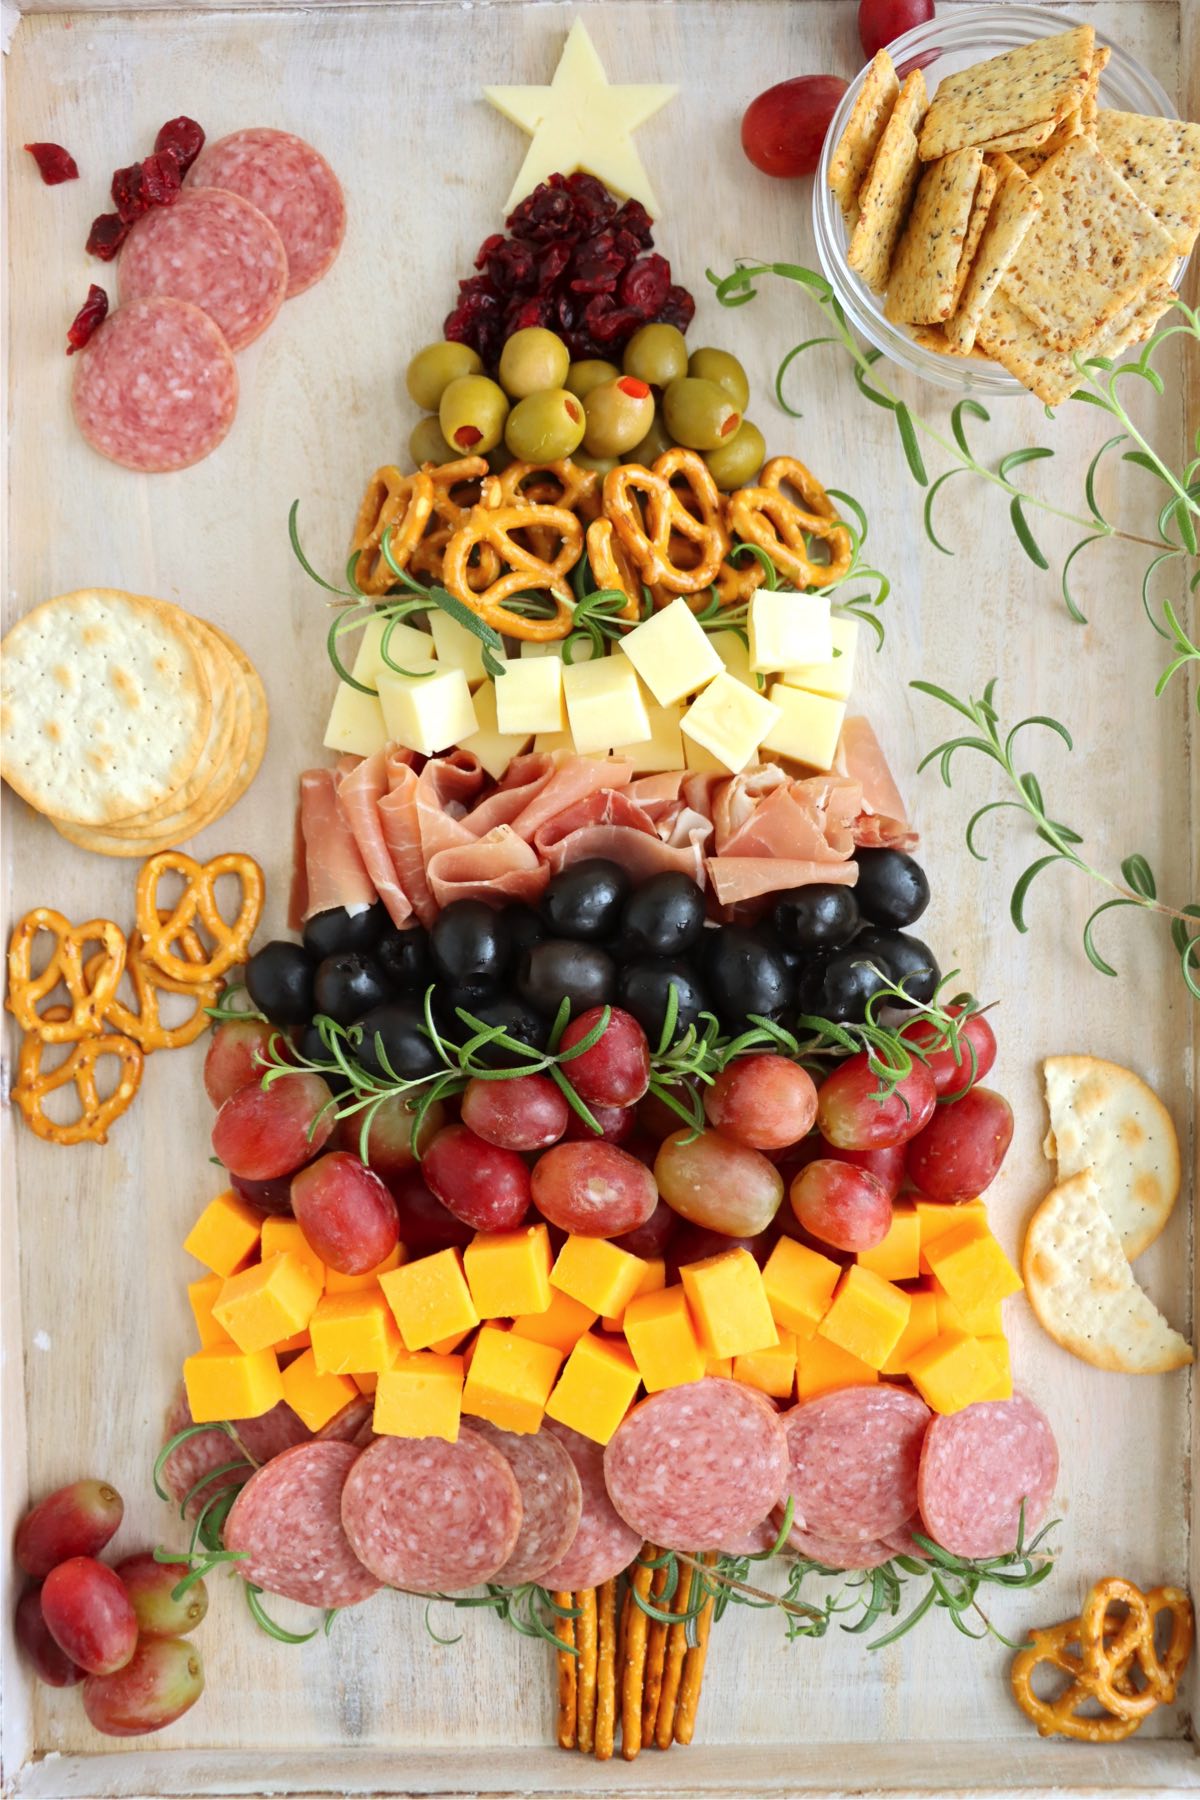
<point x="260" y="218"/>
<point x="703" y="1467"/>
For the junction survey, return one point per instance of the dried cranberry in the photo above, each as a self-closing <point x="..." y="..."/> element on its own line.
<point x="152" y="182"/>
<point x="181" y="138"/>
<point x="552" y="263"/>
<point x="596" y="267"/>
<point x="106" y="236"/>
<point x="90" y="314"/>
<point x="679" y="309"/>
<point x="534" y="311"/>
<point x="646" y="284"/>
<point x="54" y="163"/>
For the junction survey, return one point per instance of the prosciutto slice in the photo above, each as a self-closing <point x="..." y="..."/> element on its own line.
<point x="736" y="879"/>
<point x="498" y="866"/>
<point x="359" y="793"/>
<point x="402" y="833"/>
<point x="882" y="821"/>
<point x="767" y="813"/>
<point x="608" y="823"/>
<point x="575" y="781"/>
<point x="334" y="871"/>
<point x="445" y="788"/>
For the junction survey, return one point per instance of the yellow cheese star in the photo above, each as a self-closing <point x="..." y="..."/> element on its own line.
<point x="581" y="122"/>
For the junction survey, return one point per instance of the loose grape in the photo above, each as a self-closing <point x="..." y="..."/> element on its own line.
<point x="229" y="1062"/>
<point x="886" y="1165"/>
<point x="390" y="1145"/>
<point x="478" y="1182"/>
<point x="525" y="1113"/>
<point x="157" y="1686"/>
<point x="264" y="1132"/>
<point x="425" y="1224"/>
<point x="953" y="1073"/>
<point x="765" y="1102"/>
<point x="345" y="1212"/>
<point x="693" y="1243"/>
<point x="841" y="1205"/>
<point x="852" y="1116"/>
<point x="50" y="1663"/>
<point x="651" y="1237"/>
<point x="784" y="128"/>
<point x="89" y="1614"/>
<point x="960" y="1151"/>
<point x="274" y="1196"/>
<point x="72" y="1521"/>
<point x="150" y="1586"/>
<point x="617" y="1124"/>
<point x="881" y="22"/>
<point x="712" y="1181"/>
<point x="593" y="1190"/>
<point x="616" y="1070"/>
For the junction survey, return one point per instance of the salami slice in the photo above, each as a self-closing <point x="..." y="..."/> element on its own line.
<point x="759" y="1538"/>
<point x="272" y="1432"/>
<point x="291" y="183"/>
<point x="853" y="1457"/>
<point x="604" y="1544"/>
<point x="348" y="1426"/>
<point x="977" y="1467"/>
<point x="551" y="1500"/>
<point x="197" y="1457"/>
<point x="836" y="1553"/>
<point x="692" y="1466"/>
<point x="156" y="389"/>
<point x="433" y="1516"/>
<point x="288" y="1520"/>
<point x="216" y="250"/>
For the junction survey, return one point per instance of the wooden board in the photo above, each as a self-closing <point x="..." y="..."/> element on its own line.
<point x="94" y="1312"/>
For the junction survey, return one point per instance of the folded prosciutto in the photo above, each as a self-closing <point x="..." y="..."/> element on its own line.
<point x="882" y="822"/>
<point x="334" y="871"/>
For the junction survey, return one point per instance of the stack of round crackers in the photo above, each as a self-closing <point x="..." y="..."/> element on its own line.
<point x="129" y="723"/>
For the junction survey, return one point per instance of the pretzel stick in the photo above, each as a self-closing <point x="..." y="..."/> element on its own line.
<point x="585" y="1640"/>
<point x="634" y="1675"/>
<point x="656" y="1644"/>
<point x="606" y="1679"/>
<point x="693" y="1675"/>
<point x="664" y="1733"/>
<point x="564" y="1631"/>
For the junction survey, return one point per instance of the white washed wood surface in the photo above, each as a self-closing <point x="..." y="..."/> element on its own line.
<point x="391" y="93"/>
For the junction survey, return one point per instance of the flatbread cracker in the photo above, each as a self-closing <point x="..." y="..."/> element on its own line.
<point x="1069" y="126"/>
<point x="1160" y="159"/>
<point x="1027" y="139"/>
<point x="855" y="151"/>
<point x="885" y="196"/>
<point x="924" y="274"/>
<point x="1091" y="249"/>
<point x="1013" y="211"/>
<point x="1007" y="94"/>
<point x="981" y="206"/>
<point x="1105" y="1118"/>
<point x="1089" y="105"/>
<point x="1010" y="337"/>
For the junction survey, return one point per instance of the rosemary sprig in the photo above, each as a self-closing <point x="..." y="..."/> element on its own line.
<point x="528" y="1608"/>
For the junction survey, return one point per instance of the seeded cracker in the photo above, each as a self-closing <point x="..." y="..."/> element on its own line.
<point x="1090" y="103"/>
<point x="1009" y="337"/>
<point x="1069" y="126"/>
<point x="1014" y="209"/>
<point x="924" y="274"/>
<point x="886" y="194"/>
<point x="1160" y="159"/>
<point x="1029" y="138"/>
<point x="1009" y="94"/>
<point x="857" y="145"/>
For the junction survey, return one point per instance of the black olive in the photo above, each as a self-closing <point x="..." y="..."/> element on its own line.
<point x="471" y="996"/>
<point x="525" y="928"/>
<point x="394" y="1046"/>
<point x="744" y="976"/>
<point x="312" y="1046"/>
<point x="643" y="989"/>
<point x="520" y="1022"/>
<point x="795" y="961"/>
<point x="404" y="958"/>
<point x="902" y="959"/>
<point x="329" y="933"/>
<point x="838" y="987"/>
<point x="349" y="985"/>
<point x="664" y="917"/>
<point x="585" y="900"/>
<point x="561" y="969"/>
<point x="823" y="916"/>
<point x="279" y="979"/>
<point x="470" y="942"/>
<point x="891" y="888"/>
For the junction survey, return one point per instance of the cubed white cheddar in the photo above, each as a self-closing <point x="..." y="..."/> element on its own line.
<point x="787" y="629"/>
<point x="604" y="704"/>
<point x="671" y="653"/>
<point x="356" y="723"/>
<point x="408" y="647"/>
<point x="529" y="694"/>
<point x="730" y="721"/>
<point x="836" y="677"/>
<point x="553" y="741"/>
<point x="427" y="713"/>
<point x="734" y="652"/>
<point x="494" y="748"/>
<point x="699" y="761"/>
<point x="582" y="650"/>
<point x="457" y="647"/>
<point x="663" y="749"/>
<point x="808" y="726"/>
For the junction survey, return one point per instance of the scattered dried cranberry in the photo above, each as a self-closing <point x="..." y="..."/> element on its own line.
<point x="152" y="182"/>
<point x="108" y="233"/>
<point x="181" y="138"/>
<point x="90" y="314"/>
<point x="54" y="163"/>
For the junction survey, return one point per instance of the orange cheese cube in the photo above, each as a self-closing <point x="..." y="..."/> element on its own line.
<point x="898" y="1257"/>
<point x="799" y="1284"/>
<point x="598" y="1274"/>
<point x="267" y="1302"/>
<point x="662" y="1338"/>
<point x="508" y="1272"/>
<point x="935" y="1218"/>
<point x="510" y="1379"/>
<point x="201" y="1296"/>
<point x="971" y="1266"/>
<point x="228" y="1384"/>
<point x="562" y="1324"/>
<point x="285" y="1234"/>
<point x="773" y="1370"/>
<point x="997" y="1349"/>
<point x="447" y="1345"/>
<point x="867" y="1317"/>
<point x="314" y="1395"/>
<point x="595" y="1389"/>
<point x="420" y="1397"/>
<point x="337" y="1283"/>
<point x="729" y="1303"/>
<point x="721" y="1366"/>
<point x="953" y="1372"/>
<point x="430" y="1299"/>
<point x="654" y="1278"/>
<point x="352" y="1333"/>
<point x="921" y="1329"/>
<point x="299" y="1340"/>
<point x="225" y="1236"/>
<point x="969" y="1321"/>
<point x="365" y="1380"/>
<point x="822" y="1366"/>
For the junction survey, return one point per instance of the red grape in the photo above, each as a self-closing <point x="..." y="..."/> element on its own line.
<point x="765" y="1102"/>
<point x="595" y="1190"/>
<point x="960" y="1150"/>
<point x="784" y="128"/>
<point x="346" y="1213"/>
<point x="164" y="1678"/>
<point x="149" y="1585"/>
<point x="229" y="1062"/>
<point x="480" y="1183"/>
<point x="616" y="1070"/>
<point x="72" y="1521"/>
<point x="273" y="1196"/>
<point x="425" y="1224"/>
<point x="525" y="1112"/>
<point x="264" y="1132"/>
<point x="712" y="1181"/>
<point x="976" y="1052"/>
<point x="616" y="1124"/>
<point x="841" y="1205"/>
<point x="656" y="1117"/>
<point x="652" y="1237"/>
<point x="692" y="1243"/>
<point x="390" y="1145"/>
<point x="89" y="1614"/>
<point x="50" y="1663"/>
<point x="887" y="1164"/>
<point x="852" y="1118"/>
<point x="881" y="22"/>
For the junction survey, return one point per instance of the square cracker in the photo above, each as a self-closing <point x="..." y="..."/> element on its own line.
<point x="857" y="145"/>
<point x="1008" y="93"/>
<point x="1092" y="248"/>
<point x="884" y="197"/>
<point x="1160" y="159"/>
<point x="924" y="273"/>
<point x="1013" y="211"/>
<point x="981" y="206"/>
<point x="1009" y="337"/>
<point x="1089" y="105"/>
<point x="1069" y="126"/>
<point x="1020" y="142"/>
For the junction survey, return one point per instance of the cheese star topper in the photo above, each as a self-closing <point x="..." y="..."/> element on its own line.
<point x="581" y="122"/>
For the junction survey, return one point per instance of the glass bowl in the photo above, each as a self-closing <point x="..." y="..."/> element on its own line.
<point x="952" y="41"/>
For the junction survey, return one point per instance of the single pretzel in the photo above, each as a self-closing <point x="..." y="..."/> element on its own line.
<point x="492" y="523"/>
<point x="78" y="1069"/>
<point x="145" y="1026"/>
<point x="613" y="567"/>
<point x="765" y="515"/>
<point x="1060" y="1716"/>
<point x="666" y="515"/>
<point x="401" y="503"/>
<point x="198" y="903"/>
<point x="562" y="483"/>
<point x="455" y="491"/>
<point x="89" y="1001"/>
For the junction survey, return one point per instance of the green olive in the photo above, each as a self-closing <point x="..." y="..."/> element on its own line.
<point x="583" y="376"/>
<point x="531" y="361"/>
<point x="739" y="458"/>
<point x="657" y="354"/>
<point x="619" y="414"/>
<point x="472" y="415"/>
<point x="599" y="464"/>
<point x="433" y="369"/>
<point x="545" y="427"/>
<point x="656" y="442"/>
<point x="699" y="413"/>
<point x="426" y="443"/>
<point x="725" y="370"/>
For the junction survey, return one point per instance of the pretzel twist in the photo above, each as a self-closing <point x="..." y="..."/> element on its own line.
<point x="765" y="515"/>
<point x="145" y="1025"/>
<point x="648" y="539"/>
<point x="450" y="507"/>
<point x="613" y="568"/>
<point x="160" y="930"/>
<point x="401" y="503"/>
<point x="89" y="1001"/>
<point x="78" y="1069"/>
<point x="491" y="523"/>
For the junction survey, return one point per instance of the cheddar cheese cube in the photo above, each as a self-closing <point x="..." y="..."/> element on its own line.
<point x="455" y="1341"/>
<point x="662" y="1339"/>
<point x="671" y="652"/>
<point x="494" y="748"/>
<point x="562" y="1323"/>
<point x="337" y="1283"/>
<point x="365" y="1380"/>
<point x="663" y="749"/>
<point x="654" y="1277"/>
<point x="822" y="1366"/>
<point x="700" y="761"/>
<point x="971" y="1266"/>
<point x="427" y="712"/>
<point x="721" y="1366"/>
<point x="799" y="1283"/>
<point x="867" y="1317"/>
<point x="729" y="1303"/>
<point x="201" y="1296"/>
<point x="808" y="727"/>
<point x="267" y="1302"/>
<point x="299" y="1340"/>
<point x="773" y="1370"/>
<point x="457" y="648"/>
<point x="226" y="1234"/>
<point x="936" y="1218"/>
<point x="734" y="653"/>
<point x="787" y="629"/>
<point x="597" y="1273"/>
<point x="581" y="651"/>
<point x="730" y="721"/>
<point x="356" y="723"/>
<point x="229" y="1384"/>
<point x="529" y="695"/>
<point x="279" y="1234"/>
<point x="921" y="1329"/>
<point x="420" y="1396"/>
<point x="510" y="1379"/>
<point x="407" y="647"/>
<point x="898" y="1257"/>
<point x="595" y="1389"/>
<point x="352" y="1333"/>
<point x="605" y="704"/>
<point x="972" y="1321"/>
<point x="836" y="676"/>
<point x="508" y="1272"/>
<point x="314" y="1395"/>
<point x="953" y="1372"/>
<point x="997" y="1349"/>
<point x="430" y="1299"/>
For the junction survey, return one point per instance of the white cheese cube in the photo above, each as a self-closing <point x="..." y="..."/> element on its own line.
<point x="356" y="723"/>
<point x="730" y="721"/>
<point x="582" y="650"/>
<point x="494" y="748"/>
<point x="787" y="629"/>
<point x="808" y="726"/>
<point x="529" y="695"/>
<point x="671" y="653"/>
<point x="834" y="678"/>
<point x="701" y="761"/>
<point x="663" y="749"/>
<point x="552" y="741"/>
<point x="427" y="713"/>
<point x="410" y="648"/>
<point x="457" y="647"/>
<point x="734" y="652"/>
<point x="604" y="704"/>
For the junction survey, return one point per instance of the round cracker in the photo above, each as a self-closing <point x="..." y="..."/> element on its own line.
<point x="1105" y="1118"/>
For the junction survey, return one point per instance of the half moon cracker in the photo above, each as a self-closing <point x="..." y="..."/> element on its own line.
<point x="855" y="150"/>
<point x="1105" y="1119"/>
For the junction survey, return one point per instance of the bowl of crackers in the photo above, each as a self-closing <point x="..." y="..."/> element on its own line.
<point x="1002" y="194"/>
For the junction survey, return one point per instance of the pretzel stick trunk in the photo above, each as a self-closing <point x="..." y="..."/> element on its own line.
<point x="664" y="1731"/>
<point x="637" y="1627"/>
<point x="585" y="1640"/>
<point x="693" y="1675"/>
<point x="564" y="1631"/>
<point x="606" y="1670"/>
<point x="656" y="1646"/>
